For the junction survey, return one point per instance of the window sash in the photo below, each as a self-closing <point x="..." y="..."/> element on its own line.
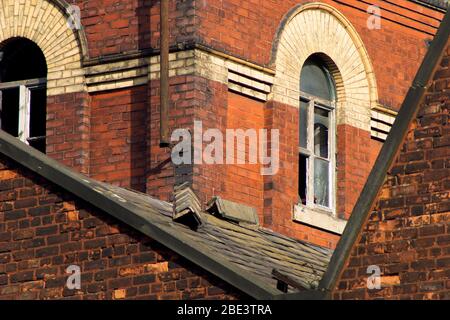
<point x="25" y="87"/>
<point x="314" y="102"/>
<point x="30" y="83"/>
<point x="24" y="114"/>
<point x="326" y="103"/>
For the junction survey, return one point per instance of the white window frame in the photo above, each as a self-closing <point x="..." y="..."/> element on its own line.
<point x="25" y="87"/>
<point x="329" y="106"/>
<point x="313" y="214"/>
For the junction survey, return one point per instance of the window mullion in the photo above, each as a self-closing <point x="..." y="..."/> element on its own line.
<point x="333" y="165"/>
<point x="310" y="188"/>
<point x="24" y="114"/>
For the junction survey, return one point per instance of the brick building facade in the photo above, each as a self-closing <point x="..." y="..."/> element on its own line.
<point x="103" y="91"/>
<point x="233" y="65"/>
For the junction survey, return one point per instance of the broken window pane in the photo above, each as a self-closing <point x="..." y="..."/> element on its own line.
<point x="321" y="137"/>
<point x="321" y="182"/>
<point x="303" y="123"/>
<point x="303" y="177"/>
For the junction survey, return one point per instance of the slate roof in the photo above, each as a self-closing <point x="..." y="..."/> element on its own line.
<point x="253" y="249"/>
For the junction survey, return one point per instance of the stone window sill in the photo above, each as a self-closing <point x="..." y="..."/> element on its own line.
<point x="319" y="218"/>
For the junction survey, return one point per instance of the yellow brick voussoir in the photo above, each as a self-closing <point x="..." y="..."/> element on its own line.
<point x="318" y="28"/>
<point x="42" y="22"/>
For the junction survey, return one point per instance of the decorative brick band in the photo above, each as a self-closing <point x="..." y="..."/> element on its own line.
<point x="381" y="123"/>
<point x="239" y="77"/>
<point x="44" y="22"/>
<point x="319" y="28"/>
<point x="117" y="75"/>
<point x="180" y="64"/>
<point x="246" y="85"/>
<point x="249" y="81"/>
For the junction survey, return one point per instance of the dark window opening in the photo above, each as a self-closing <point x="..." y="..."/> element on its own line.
<point x="304" y="105"/>
<point x="302" y="180"/>
<point x="38" y="118"/>
<point x="23" y="101"/>
<point x="9" y="103"/>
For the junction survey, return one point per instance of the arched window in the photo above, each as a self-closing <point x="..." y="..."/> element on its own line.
<point x="317" y="135"/>
<point x="23" y="72"/>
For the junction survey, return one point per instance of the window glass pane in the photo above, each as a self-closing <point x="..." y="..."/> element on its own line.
<point x="321" y="182"/>
<point x="316" y="80"/>
<point x="303" y="178"/>
<point x="303" y="123"/>
<point x="9" y="106"/>
<point x="321" y="136"/>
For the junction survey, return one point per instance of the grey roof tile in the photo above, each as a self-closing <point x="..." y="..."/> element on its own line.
<point x="252" y="248"/>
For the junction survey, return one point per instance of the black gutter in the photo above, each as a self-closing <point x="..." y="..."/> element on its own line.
<point x="100" y="197"/>
<point x="376" y="179"/>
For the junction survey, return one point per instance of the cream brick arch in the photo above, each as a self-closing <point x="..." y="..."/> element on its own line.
<point x="45" y="23"/>
<point x="318" y="28"/>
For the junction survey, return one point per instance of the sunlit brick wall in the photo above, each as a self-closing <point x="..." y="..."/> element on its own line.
<point x="408" y="233"/>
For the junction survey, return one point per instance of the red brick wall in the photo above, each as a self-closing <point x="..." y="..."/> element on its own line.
<point x="244" y="183"/>
<point x="408" y="233"/>
<point x="357" y="153"/>
<point x="117" y="27"/>
<point x="191" y="98"/>
<point x="124" y="133"/>
<point x="183" y="22"/>
<point x="211" y="109"/>
<point x="188" y="94"/>
<point x="114" y="27"/>
<point x="68" y="125"/>
<point x="117" y="137"/>
<point x="44" y="229"/>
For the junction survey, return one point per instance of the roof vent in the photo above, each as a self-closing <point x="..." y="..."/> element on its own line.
<point x="187" y="207"/>
<point x="232" y="211"/>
